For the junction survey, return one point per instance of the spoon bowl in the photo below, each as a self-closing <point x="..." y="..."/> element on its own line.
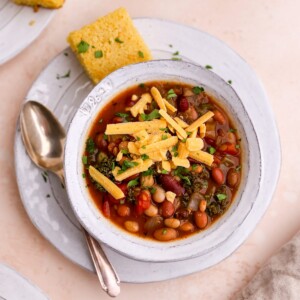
<point x="43" y="136"/>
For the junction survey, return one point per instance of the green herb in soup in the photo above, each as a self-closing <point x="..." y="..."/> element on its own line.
<point x="162" y="160"/>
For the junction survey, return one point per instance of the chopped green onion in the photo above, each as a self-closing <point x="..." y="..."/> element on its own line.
<point x="144" y="156"/>
<point x="98" y="54"/>
<point x="208" y="67"/>
<point x="118" y="40"/>
<point x="211" y="150"/>
<point x="83" y="47"/>
<point x="84" y="159"/>
<point x="164" y="171"/>
<point x="133" y="182"/>
<point x="171" y="94"/>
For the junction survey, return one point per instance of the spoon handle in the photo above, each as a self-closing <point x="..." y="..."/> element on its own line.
<point x="107" y="275"/>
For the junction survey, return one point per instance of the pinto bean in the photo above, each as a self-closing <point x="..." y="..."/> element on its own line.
<point x="165" y="234"/>
<point x="167" y="209"/>
<point x="233" y="177"/>
<point x="169" y="183"/>
<point x="219" y="117"/>
<point x="159" y="195"/>
<point x="131" y="226"/>
<point x="201" y="219"/>
<point x="123" y="210"/>
<point x="187" y="226"/>
<point x="172" y="223"/>
<point x="151" y="211"/>
<point x="218" y="175"/>
<point x="101" y="142"/>
<point x="202" y="205"/>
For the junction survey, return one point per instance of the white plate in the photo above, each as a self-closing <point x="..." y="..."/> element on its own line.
<point x="20" y="26"/>
<point x="15" y="287"/>
<point x="46" y="201"/>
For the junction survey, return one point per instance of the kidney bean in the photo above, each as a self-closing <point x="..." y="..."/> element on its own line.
<point x="132" y="176"/>
<point x="123" y="187"/>
<point x="130" y="102"/>
<point x="182" y="213"/>
<point x="168" y="209"/>
<point x="101" y="142"/>
<point x="219" y="117"/>
<point x="201" y="219"/>
<point x="165" y="234"/>
<point x="190" y="114"/>
<point x="106" y="209"/>
<point x="233" y="177"/>
<point x="110" y="199"/>
<point x="218" y="175"/>
<point x="183" y="104"/>
<point x="123" y="210"/>
<point x="169" y="183"/>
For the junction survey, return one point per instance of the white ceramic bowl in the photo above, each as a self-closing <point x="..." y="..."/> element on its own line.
<point x="216" y="236"/>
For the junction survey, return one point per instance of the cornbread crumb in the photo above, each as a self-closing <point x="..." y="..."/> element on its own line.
<point x="108" y="44"/>
<point x="43" y="3"/>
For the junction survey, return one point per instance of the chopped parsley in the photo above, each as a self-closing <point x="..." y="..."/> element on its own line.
<point x="122" y="115"/>
<point x="181" y="173"/>
<point x="175" y="151"/>
<point x="164" y="129"/>
<point x="194" y="167"/>
<point x="127" y="165"/>
<point x="229" y="81"/>
<point x="67" y="75"/>
<point x="164" y="171"/>
<point x="133" y="182"/>
<point x="98" y="54"/>
<point x="117" y="40"/>
<point x="171" y="94"/>
<point x="153" y="115"/>
<point x="197" y="90"/>
<point x="176" y="58"/>
<point x="208" y="67"/>
<point x="83" y="47"/>
<point x="144" y="156"/>
<point x="221" y="197"/>
<point x="141" y="54"/>
<point x="84" y="159"/>
<point x="211" y="150"/>
<point x="90" y="146"/>
<point x="124" y="151"/>
<point x="83" y="175"/>
<point x="152" y="189"/>
<point x="148" y="172"/>
<point x="176" y="53"/>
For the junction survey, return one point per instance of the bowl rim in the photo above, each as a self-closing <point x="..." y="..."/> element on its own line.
<point x="94" y="105"/>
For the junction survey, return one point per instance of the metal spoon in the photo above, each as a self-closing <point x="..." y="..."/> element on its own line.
<point x="44" y="140"/>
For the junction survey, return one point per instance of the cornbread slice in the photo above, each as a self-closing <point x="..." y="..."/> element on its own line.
<point x="108" y="44"/>
<point x="43" y="3"/>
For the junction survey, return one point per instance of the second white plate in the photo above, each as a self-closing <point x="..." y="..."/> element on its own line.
<point x="20" y="26"/>
<point x="63" y="85"/>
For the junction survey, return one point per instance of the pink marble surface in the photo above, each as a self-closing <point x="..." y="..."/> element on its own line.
<point x="266" y="34"/>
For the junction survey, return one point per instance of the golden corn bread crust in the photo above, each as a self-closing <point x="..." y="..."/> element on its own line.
<point x="114" y="39"/>
<point x="43" y="3"/>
